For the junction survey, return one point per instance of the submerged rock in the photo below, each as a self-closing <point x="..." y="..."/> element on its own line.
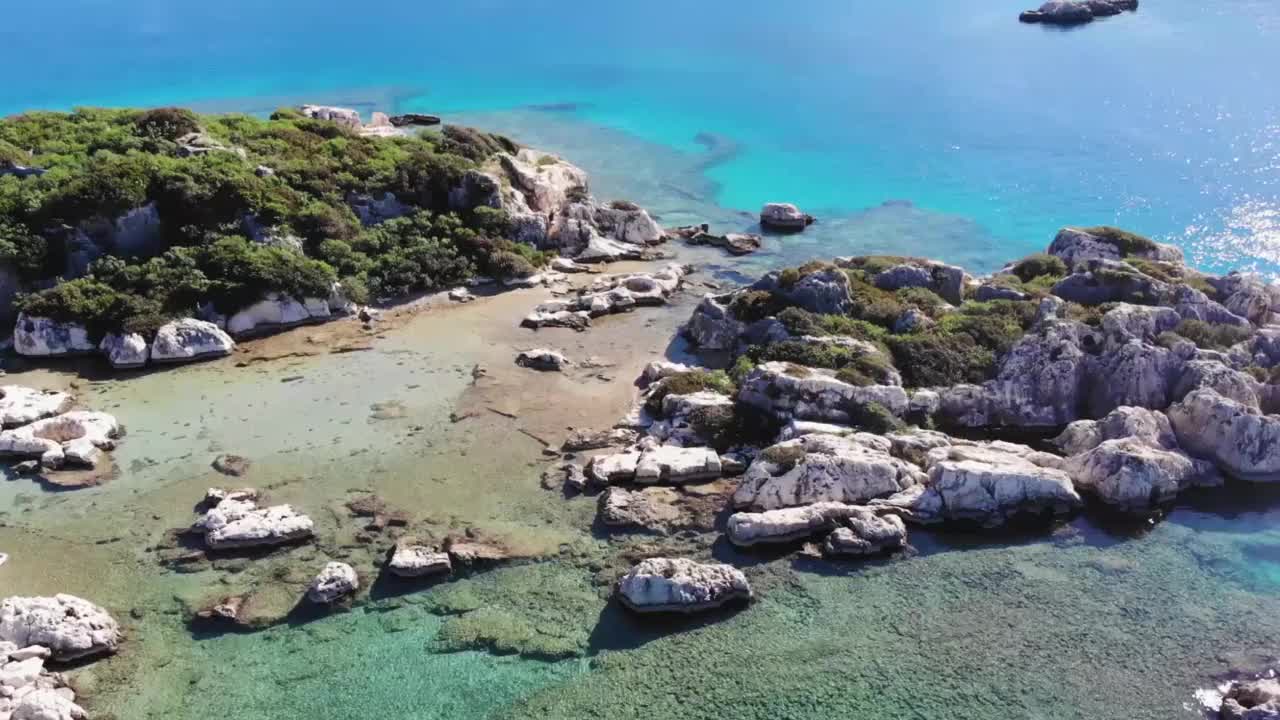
<point x="70" y="627"/>
<point x="653" y="510"/>
<point x="21" y="405"/>
<point x="233" y="465"/>
<point x="336" y="581"/>
<point x="679" y="585"/>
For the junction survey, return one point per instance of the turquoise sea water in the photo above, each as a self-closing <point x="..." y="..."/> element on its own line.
<point x="1167" y="120"/>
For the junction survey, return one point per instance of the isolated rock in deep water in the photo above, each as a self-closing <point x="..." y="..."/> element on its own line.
<point x="785" y="217"/>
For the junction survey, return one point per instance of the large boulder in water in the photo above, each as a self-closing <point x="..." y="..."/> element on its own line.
<point x="784" y="217"/>
<point x="70" y="627"/>
<point x="1242" y="441"/>
<point x="680" y="585"/>
<point x="1059" y="12"/>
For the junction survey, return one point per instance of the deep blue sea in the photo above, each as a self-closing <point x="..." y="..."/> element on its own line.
<point x="1166" y="120"/>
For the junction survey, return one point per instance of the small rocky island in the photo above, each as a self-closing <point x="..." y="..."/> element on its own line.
<point x="1076" y="12"/>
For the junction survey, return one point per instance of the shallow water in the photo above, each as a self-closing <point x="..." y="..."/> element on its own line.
<point x="928" y="128"/>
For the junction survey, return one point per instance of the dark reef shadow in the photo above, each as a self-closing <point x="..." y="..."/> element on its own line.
<point x="387" y="586"/>
<point x="621" y="629"/>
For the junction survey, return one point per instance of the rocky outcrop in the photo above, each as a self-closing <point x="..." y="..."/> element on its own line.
<point x="609" y="294"/>
<point x="1252" y="700"/>
<point x="542" y="359"/>
<point x="824" y="468"/>
<point x="784" y="217"/>
<point x="338" y="115"/>
<point x="188" y="340"/>
<point x="733" y="243"/>
<point x="23" y="405"/>
<point x="125" y="350"/>
<point x="1134" y="476"/>
<point x="1104" y="281"/>
<point x="987" y="484"/>
<point x="1077" y="247"/>
<point x="413" y="559"/>
<point x="278" y="312"/>
<point x="75" y="438"/>
<point x="788" y="525"/>
<point x="70" y="628"/>
<point x="336" y="581"/>
<point x="712" y="327"/>
<point x="790" y="392"/>
<point x="28" y="691"/>
<point x="1239" y="439"/>
<point x="1147" y="426"/>
<point x="651" y="464"/>
<point x="679" y="585"/>
<point x="946" y="281"/>
<point x="824" y="291"/>
<point x="44" y="337"/>
<point x="234" y="520"/>
<point x="866" y="533"/>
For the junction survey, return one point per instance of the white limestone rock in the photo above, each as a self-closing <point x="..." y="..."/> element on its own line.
<point x="1149" y="426"/>
<point x="1242" y="441"/>
<point x="339" y="115"/>
<point x="791" y="392"/>
<point x="43" y="337"/>
<point x="1133" y="476"/>
<point x="680" y="585"/>
<point x="866" y="532"/>
<point x="787" y="525"/>
<point x="235" y="521"/>
<point x="188" y="339"/>
<point x="784" y="216"/>
<point x="21" y="405"/>
<point x="75" y="436"/>
<point x="70" y="627"/>
<point x="125" y="350"/>
<point x="411" y="559"/>
<point x="661" y="370"/>
<point x="336" y="581"/>
<point x="673" y="465"/>
<point x="47" y="704"/>
<point x="278" y="312"/>
<point x="824" y="468"/>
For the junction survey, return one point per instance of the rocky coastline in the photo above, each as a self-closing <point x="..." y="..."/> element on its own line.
<point x="825" y="411"/>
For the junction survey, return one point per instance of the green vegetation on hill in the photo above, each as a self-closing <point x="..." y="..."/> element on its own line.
<point x="213" y="181"/>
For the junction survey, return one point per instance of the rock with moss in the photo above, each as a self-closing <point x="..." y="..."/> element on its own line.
<point x="822" y="291"/>
<point x="789" y="392"/>
<point x="678" y="585"/>
<point x="1077" y="247"/>
<point x="824" y="468"/>
<point x="1101" y="281"/>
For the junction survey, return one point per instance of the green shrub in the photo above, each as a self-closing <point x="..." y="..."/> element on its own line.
<point x="687" y="383"/>
<point x="934" y="359"/>
<point x="167" y="123"/>
<point x="994" y="325"/>
<point x="875" y="264"/>
<point x="1212" y="337"/>
<point x="1039" y="265"/>
<point x="857" y="368"/>
<point x="875" y="418"/>
<point x="740" y="369"/>
<point x="922" y="299"/>
<point x="753" y="305"/>
<point x="1126" y="242"/>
